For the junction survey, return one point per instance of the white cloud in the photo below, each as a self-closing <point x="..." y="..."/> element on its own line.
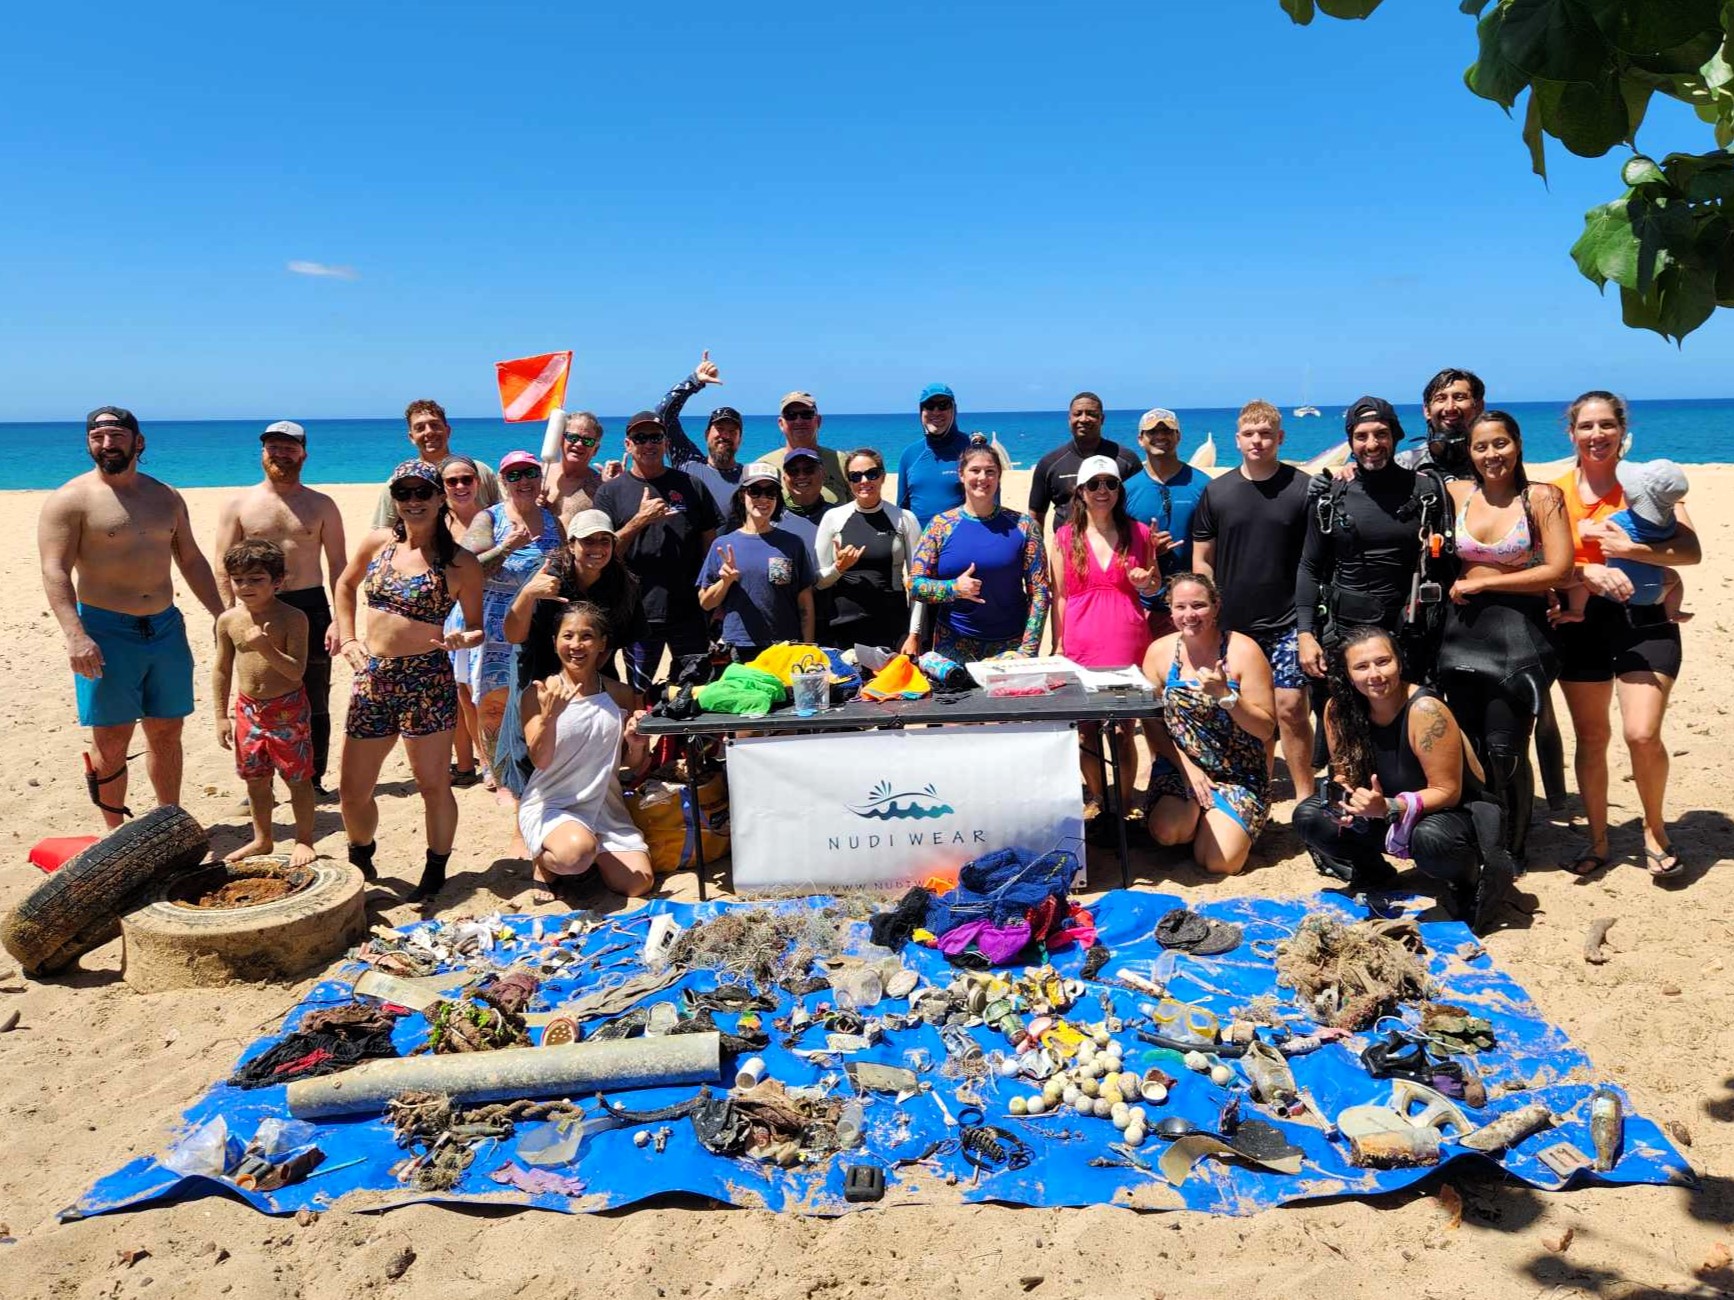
<point x="324" y="269"/>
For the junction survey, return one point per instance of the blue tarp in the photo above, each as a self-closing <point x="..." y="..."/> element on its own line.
<point x="359" y="1152"/>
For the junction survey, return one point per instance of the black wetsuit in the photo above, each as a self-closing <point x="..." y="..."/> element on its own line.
<point x="1363" y="541"/>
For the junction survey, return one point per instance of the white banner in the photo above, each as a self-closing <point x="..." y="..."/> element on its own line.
<point x="885" y="807"/>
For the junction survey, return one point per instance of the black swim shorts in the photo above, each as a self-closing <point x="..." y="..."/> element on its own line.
<point x="1615" y="639"/>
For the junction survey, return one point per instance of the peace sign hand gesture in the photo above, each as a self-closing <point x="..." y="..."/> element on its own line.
<point x="705" y="371"/>
<point x="727" y="572"/>
<point x="846" y="555"/>
<point x="966" y="586"/>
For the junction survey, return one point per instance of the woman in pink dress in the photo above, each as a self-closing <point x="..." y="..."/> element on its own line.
<point x="1101" y="566"/>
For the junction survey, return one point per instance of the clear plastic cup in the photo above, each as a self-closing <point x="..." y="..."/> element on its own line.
<point x="811" y="686"/>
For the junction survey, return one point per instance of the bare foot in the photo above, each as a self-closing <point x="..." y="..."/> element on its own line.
<point x="256" y="849"/>
<point x="1684" y="616"/>
<point x="302" y="855"/>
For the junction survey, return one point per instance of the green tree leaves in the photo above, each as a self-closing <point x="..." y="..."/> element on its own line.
<point x="1590" y="69"/>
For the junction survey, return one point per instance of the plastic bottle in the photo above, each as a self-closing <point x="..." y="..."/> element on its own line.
<point x="857" y="988"/>
<point x="849" y="1124"/>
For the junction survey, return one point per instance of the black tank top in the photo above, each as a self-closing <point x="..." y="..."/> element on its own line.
<point x="1396" y="762"/>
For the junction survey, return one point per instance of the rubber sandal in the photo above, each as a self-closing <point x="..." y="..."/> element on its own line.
<point x="1586" y="864"/>
<point x="1664" y="864"/>
<point x="464" y="778"/>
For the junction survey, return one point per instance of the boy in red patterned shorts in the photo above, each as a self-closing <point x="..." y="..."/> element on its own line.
<point x="263" y="643"/>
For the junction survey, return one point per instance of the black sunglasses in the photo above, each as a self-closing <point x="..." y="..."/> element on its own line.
<point x="413" y="491"/>
<point x="798" y="413"/>
<point x="649" y="435"/>
<point x="521" y="473"/>
<point x="582" y="439"/>
<point x="938" y="404"/>
<point x="762" y="491"/>
<point x="460" y="480"/>
<point x="872" y="475"/>
<point x="1103" y="484"/>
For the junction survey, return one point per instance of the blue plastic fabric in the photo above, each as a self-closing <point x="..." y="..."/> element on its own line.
<point x="612" y="1172"/>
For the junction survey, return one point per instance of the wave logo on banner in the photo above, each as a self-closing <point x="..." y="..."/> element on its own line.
<point x="885" y="805"/>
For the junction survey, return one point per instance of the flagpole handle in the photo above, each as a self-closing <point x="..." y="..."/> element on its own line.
<point x="551" y="439"/>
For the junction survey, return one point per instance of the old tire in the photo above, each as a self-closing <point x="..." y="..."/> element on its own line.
<point x="79" y="907"/>
<point x="171" y="946"/>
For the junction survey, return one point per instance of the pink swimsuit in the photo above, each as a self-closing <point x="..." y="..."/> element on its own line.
<point x="1513" y="549"/>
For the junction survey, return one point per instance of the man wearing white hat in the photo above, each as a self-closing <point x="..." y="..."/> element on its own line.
<point x="309" y="528"/>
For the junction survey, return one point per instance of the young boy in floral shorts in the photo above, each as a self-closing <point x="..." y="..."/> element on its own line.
<point x="262" y="643"/>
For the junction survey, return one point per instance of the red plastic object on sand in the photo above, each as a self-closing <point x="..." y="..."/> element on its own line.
<point x="53" y="854"/>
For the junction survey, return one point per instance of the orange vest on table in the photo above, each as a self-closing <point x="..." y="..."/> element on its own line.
<point x="1576" y="512"/>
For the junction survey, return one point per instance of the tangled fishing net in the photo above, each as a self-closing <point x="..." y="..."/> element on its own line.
<point x="1350" y="975"/>
<point x="765" y="945"/>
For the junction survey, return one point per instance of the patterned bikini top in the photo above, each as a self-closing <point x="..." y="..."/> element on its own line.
<point x="1516" y="547"/>
<point x="422" y="596"/>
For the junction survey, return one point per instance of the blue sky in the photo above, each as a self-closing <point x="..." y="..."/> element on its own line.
<point x="1178" y="203"/>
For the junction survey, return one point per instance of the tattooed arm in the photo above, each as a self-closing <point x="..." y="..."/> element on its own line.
<point x="1438" y="743"/>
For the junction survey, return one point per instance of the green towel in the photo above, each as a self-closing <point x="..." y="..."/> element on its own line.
<point x="742" y="690"/>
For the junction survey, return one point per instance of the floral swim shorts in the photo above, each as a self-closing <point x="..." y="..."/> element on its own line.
<point x="413" y="695"/>
<point x="274" y="735"/>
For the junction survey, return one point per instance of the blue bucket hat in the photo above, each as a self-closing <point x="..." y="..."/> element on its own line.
<point x="936" y="390"/>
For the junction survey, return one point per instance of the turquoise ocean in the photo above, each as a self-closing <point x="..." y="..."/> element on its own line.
<point x="216" y="453"/>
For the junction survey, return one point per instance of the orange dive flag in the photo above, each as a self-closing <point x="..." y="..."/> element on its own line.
<point x="531" y="387"/>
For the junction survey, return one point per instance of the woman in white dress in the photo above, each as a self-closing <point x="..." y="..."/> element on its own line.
<point x="579" y="728"/>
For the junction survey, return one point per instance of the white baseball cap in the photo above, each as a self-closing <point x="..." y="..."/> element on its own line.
<point x="1096" y="466"/>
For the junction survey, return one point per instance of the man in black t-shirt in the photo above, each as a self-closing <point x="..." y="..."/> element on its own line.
<point x="1247" y="533"/>
<point x="1056" y="474"/>
<point x="663" y="526"/>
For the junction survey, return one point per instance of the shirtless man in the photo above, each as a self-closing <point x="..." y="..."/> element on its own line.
<point x="307" y="527"/>
<point x="118" y="530"/>
<point x="573" y="484"/>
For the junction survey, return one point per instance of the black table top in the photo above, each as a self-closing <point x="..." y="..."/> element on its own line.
<point x="1071" y="703"/>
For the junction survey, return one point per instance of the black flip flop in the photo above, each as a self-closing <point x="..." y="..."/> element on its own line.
<point x="1586" y="864"/>
<point x="1664" y="864"/>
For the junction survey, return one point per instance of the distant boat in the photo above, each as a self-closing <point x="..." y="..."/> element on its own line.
<point x="1301" y="412"/>
<point x="1306" y="408"/>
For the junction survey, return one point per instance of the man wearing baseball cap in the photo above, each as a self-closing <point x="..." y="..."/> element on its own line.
<point x="109" y="540"/>
<point x="308" y="528"/>
<point x="717" y="469"/>
<point x="1056" y="474"/>
<point x="799" y="419"/>
<point x="927" y="480"/>
<point x="1163" y="495"/>
<point x="663" y="524"/>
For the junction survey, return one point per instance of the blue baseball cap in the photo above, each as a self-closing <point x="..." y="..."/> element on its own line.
<point x="936" y="390"/>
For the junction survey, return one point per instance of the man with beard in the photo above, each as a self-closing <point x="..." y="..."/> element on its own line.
<point x="1056" y="474"/>
<point x="573" y="485"/>
<point x="1453" y="401"/>
<point x="307" y="527"/>
<point x="1362" y="541"/>
<point x="717" y="469"/>
<point x="108" y="540"/>
<point x="430" y="433"/>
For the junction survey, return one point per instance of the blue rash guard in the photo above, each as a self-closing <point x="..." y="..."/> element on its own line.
<point x="1145" y="504"/>
<point x="927" y="481"/>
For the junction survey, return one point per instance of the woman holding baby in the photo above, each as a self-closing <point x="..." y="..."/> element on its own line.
<point x="1625" y="641"/>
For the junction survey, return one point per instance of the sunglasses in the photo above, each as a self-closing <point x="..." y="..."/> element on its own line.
<point x="413" y="491"/>
<point x="872" y="475"/>
<point x="939" y="404"/>
<point x="801" y="466"/>
<point x="762" y="492"/>
<point x="799" y="413"/>
<point x="653" y="435"/>
<point x="582" y="439"/>
<point x="521" y="474"/>
<point x="1102" y="485"/>
<point x="461" y="480"/>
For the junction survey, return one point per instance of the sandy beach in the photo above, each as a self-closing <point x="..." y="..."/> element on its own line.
<point x="96" y="1074"/>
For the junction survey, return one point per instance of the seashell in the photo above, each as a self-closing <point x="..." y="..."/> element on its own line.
<point x="1221" y="1075"/>
<point x="902" y="984"/>
<point x="1153" y="1092"/>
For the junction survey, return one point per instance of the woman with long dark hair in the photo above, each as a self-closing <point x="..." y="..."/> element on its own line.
<point x="1402" y="782"/>
<point x="1632" y="651"/>
<point x="1496" y="658"/>
<point x="863" y="548"/>
<point x="589" y="568"/>
<point x="411" y="576"/>
<point x="1098" y="569"/>
<point x="983" y="567"/>
<point x="580" y="729"/>
<point x="1210" y="782"/>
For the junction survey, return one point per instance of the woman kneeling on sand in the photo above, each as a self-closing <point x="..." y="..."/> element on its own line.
<point x="578" y="729"/>
<point x="1403" y="783"/>
<point x="1210" y="783"/>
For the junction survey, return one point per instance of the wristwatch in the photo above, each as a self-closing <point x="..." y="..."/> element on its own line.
<point x="1227" y="702"/>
